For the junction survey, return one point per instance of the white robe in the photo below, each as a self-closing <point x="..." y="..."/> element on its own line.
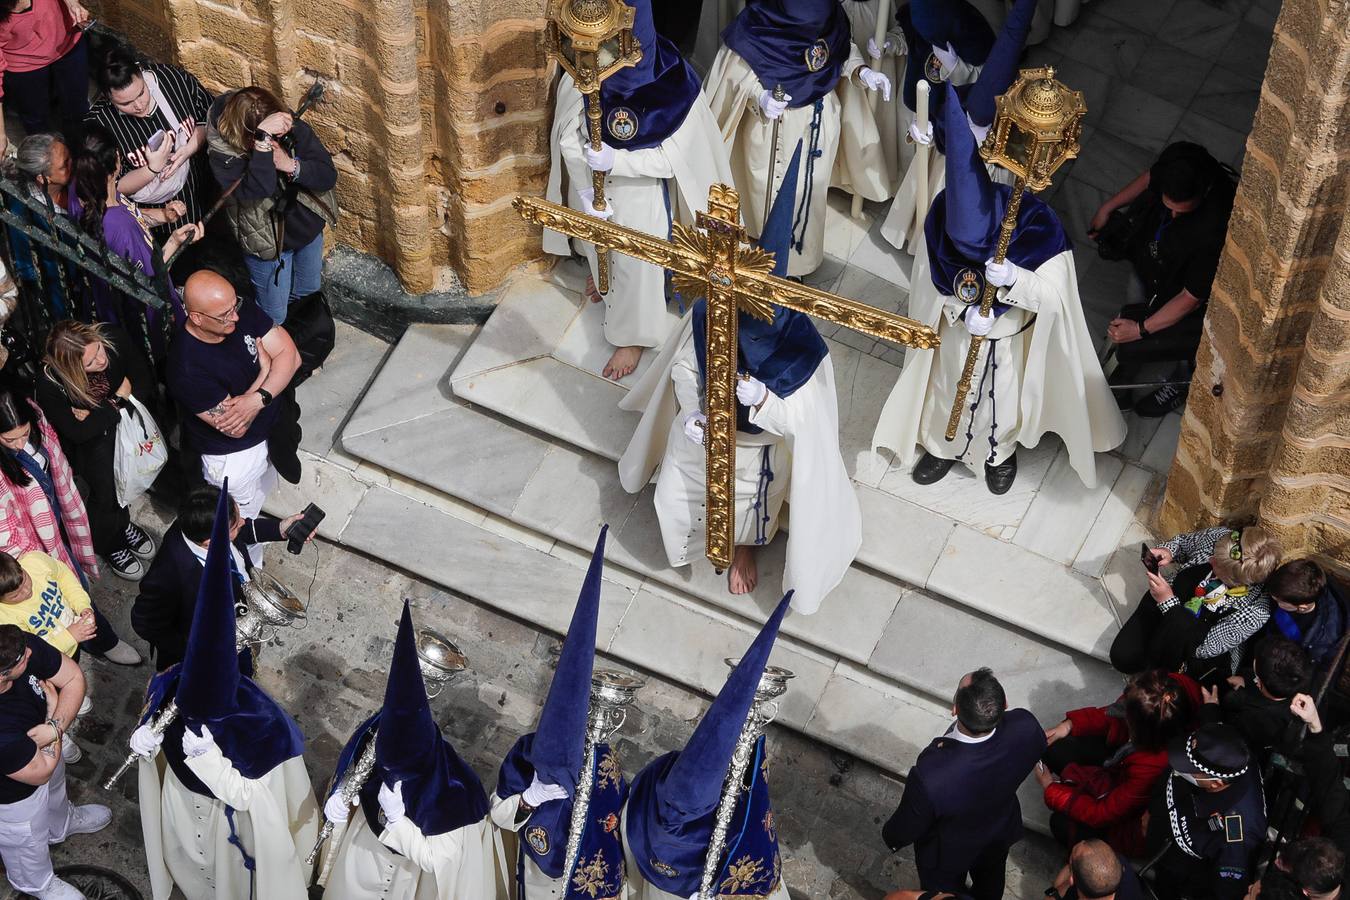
<point x="641" y="889"/>
<point x="538" y="886"/>
<point x="892" y="118"/>
<point x="403" y="864"/>
<point x="802" y="432"/>
<point x="187" y="834"/>
<point x="904" y="220"/>
<point x="1047" y="379"/>
<point x="848" y="141"/>
<point x="648" y="188"/>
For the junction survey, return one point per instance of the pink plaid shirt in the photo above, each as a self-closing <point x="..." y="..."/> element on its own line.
<point x="27" y="521"/>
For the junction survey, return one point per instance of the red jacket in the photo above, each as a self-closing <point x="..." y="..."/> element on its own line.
<point x="1113" y="798"/>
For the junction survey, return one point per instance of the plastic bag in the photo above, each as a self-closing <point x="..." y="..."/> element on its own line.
<point x="140" y="453"/>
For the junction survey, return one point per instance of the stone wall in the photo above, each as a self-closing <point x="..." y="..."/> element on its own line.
<point x="436" y="113"/>
<point x="1266" y="432"/>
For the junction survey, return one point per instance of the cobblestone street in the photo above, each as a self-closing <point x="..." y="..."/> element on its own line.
<point x="331" y="675"/>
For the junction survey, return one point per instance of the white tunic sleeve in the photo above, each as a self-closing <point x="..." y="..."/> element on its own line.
<point x="439" y="855"/>
<point x="684" y="376"/>
<point x="223" y="780"/>
<point x="651" y="162"/>
<point x="506" y="813"/>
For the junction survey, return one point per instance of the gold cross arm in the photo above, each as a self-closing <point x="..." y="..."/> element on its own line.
<point x="713" y="260"/>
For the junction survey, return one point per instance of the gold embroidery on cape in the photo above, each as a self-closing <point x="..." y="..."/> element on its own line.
<point x="742" y="874"/>
<point x="607" y="772"/>
<point x="591" y="877"/>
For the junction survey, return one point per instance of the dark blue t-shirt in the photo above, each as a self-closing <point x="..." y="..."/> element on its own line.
<point x="201" y="375"/>
<point x="21" y="707"/>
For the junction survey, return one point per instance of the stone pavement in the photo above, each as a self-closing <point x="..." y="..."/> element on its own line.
<point x="330" y="676"/>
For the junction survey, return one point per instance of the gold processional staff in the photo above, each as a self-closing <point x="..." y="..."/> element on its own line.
<point x="1036" y="129"/>
<point x="591" y="40"/>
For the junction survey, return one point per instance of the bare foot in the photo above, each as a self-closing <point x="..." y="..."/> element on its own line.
<point x="743" y="574"/>
<point x="624" y="361"/>
<point x="592" y="294"/>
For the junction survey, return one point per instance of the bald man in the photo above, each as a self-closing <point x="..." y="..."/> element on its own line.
<point x="1097" y="872"/>
<point x="228" y="365"/>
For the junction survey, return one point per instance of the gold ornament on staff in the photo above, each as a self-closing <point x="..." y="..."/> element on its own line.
<point x="712" y="260"/>
<point x="1036" y="129"/>
<point x="591" y="40"/>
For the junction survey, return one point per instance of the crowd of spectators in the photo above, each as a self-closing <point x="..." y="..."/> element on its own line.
<point x="139" y="172"/>
<point x="1231" y="711"/>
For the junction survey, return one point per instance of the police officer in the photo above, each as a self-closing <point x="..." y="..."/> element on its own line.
<point x="1212" y="811"/>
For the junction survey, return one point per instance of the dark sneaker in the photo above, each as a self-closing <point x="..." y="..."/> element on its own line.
<point x="1162" y="401"/>
<point x="126" y="565"/>
<point x="138" y="542"/>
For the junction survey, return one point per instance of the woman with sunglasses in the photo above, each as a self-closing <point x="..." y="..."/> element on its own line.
<point x="1201" y="618"/>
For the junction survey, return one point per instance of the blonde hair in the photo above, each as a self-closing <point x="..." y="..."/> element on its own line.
<point x="243" y="112"/>
<point x="64" y="359"/>
<point x="1260" y="555"/>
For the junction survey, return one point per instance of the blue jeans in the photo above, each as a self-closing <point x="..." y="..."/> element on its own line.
<point x="301" y="275"/>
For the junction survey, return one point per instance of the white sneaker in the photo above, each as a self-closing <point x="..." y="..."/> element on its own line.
<point x="85" y="705"/>
<point x="70" y="751"/>
<point x="123" y="654"/>
<point x="89" y="818"/>
<point x="60" y="890"/>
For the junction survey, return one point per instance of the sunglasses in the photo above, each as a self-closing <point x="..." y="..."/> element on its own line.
<point x="234" y="311"/>
<point x="1235" y="551"/>
<point x="5" y="673"/>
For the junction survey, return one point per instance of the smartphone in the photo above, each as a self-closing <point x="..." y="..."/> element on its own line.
<point x="156" y="140"/>
<point x="1148" y="559"/>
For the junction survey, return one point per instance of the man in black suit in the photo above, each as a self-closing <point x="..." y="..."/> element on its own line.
<point x="162" y="613"/>
<point x="960" y="808"/>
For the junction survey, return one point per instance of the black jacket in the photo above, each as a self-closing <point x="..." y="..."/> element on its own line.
<point x="961" y="798"/>
<point x="124" y="361"/>
<point x="162" y="613"/>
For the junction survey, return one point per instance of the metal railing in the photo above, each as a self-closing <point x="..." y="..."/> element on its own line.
<point x="62" y="272"/>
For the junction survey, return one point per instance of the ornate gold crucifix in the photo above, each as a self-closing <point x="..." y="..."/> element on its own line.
<point x="713" y="260"/>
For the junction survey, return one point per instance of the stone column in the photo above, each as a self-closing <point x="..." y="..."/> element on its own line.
<point x="1265" y="430"/>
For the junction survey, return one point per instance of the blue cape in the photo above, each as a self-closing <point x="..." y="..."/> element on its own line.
<point x="642" y="105"/>
<point x="544" y="835"/>
<point x="256" y="738"/>
<point x="673" y="859"/>
<point x="1037" y="237"/>
<point x="782" y="40"/>
<point x="440" y="792"/>
<point x="961" y="25"/>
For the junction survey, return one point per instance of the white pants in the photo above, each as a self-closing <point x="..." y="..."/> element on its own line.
<point x="28" y="827"/>
<point x="251" y="477"/>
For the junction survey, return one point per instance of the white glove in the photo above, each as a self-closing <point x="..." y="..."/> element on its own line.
<point x="391" y="803"/>
<point x="588" y="204"/>
<point x="773" y="109"/>
<point x="947" y="56"/>
<point x="335" y="809"/>
<point x="694" y="424"/>
<point x="924" y="137"/>
<point x="875" y="81"/>
<point x="144" y="742"/>
<point x="980" y="131"/>
<point x="194" y="746"/>
<point x="750" y="391"/>
<point x="539" y="793"/>
<point x="601" y="160"/>
<point x="886" y="49"/>
<point x="1001" y="274"/>
<point x="976" y="324"/>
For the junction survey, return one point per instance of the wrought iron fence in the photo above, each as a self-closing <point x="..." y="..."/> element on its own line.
<point x="61" y="272"/>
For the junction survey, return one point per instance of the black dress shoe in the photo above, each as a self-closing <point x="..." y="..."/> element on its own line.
<point x="931" y="468"/>
<point x="999" y="478"/>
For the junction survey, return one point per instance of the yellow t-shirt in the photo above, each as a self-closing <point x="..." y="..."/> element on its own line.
<point x="58" y="597"/>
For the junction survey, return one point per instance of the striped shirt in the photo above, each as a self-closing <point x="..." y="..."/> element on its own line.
<point x="189" y="101"/>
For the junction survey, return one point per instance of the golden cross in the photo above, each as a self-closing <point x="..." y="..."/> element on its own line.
<point x="713" y="260"/>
